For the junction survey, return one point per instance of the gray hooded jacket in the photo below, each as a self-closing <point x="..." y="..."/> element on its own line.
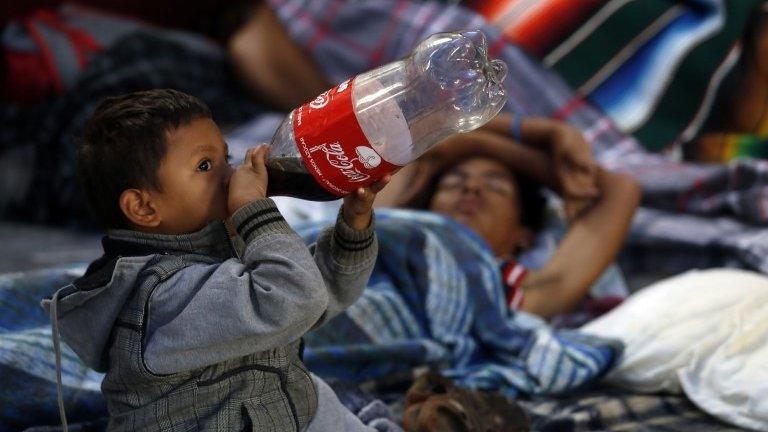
<point x="194" y="337"/>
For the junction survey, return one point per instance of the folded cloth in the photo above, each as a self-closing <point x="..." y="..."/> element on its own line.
<point x="726" y="312"/>
<point x="655" y="67"/>
<point x="436" y="298"/>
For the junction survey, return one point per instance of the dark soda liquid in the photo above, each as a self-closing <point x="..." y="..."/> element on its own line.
<point x="295" y="184"/>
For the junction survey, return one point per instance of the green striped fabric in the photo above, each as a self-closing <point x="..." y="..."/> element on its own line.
<point x="620" y="28"/>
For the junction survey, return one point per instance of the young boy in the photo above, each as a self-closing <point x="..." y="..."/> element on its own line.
<point x="192" y="333"/>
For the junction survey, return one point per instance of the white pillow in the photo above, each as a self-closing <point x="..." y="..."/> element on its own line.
<point x="703" y="332"/>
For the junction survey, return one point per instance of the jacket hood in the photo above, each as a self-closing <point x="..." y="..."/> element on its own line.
<point x="87" y="309"/>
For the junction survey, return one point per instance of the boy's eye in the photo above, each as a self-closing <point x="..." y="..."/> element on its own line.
<point x="205" y="165"/>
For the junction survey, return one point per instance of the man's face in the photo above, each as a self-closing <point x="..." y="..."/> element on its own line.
<point x="194" y="178"/>
<point x="482" y="194"/>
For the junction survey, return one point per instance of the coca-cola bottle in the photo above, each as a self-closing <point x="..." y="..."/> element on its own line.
<point x="368" y="126"/>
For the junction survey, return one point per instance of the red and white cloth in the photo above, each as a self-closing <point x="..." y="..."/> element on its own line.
<point x="513" y="275"/>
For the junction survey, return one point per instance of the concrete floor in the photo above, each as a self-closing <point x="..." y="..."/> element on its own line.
<point x="29" y="247"/>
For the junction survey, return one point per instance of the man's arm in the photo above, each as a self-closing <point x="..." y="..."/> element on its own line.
<point x="589" y="246"/>
<point x="549" y="151"/>
<point x="571" y="158"/>
<point x="271" y="64"/>
<point x="524" y="159"/>
<point x="538" y="132"/>
<point x="593" y="238"/>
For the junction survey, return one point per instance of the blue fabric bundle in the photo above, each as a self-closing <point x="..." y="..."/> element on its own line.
<point x="436" y="298"/>
<point x="27" y="366"/>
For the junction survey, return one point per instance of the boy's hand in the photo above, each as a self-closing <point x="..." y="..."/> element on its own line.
<point x="249" y="180"/>
<point x="358" y="206"/>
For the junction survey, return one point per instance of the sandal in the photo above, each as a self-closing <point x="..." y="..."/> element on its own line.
<point x="434" y="403"/>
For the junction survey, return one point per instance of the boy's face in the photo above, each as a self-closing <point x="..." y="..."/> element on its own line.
<point x="194" y="178"/>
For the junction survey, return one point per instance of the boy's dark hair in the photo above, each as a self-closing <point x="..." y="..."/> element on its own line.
<point x="124" y="143"/>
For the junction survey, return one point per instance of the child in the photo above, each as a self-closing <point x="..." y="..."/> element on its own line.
<point x="193" y="334"/>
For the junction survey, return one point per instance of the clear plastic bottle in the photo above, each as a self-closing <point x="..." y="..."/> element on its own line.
<point x="368" y="126"/>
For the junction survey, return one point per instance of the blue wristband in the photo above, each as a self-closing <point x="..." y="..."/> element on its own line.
<point x="516" y="127"/>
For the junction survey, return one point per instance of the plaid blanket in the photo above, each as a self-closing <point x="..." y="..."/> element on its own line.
<point x="665" y="244"/>
<point x="605" y="409"/>
<point x="599" y="409"/>
<point x="348" y="37"/>
<point x="436" y="298"/>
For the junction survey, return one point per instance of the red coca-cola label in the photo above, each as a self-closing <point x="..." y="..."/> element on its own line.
<point x="332" y="144"/>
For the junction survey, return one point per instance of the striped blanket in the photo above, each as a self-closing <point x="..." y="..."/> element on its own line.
<point x="654" y="66"/>
<point x="436" y="298"/>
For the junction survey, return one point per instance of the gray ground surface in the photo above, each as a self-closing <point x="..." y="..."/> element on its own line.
<point x="28" y="247"/>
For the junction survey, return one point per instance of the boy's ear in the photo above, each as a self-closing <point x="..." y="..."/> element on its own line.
<point x="138" y="207"/>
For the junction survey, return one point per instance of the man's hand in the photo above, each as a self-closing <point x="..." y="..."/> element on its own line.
<point x="249" y="180"/>
<point x="357" y="209"/>
<point x="575" y="167"/>
<point x="575" y="170"/>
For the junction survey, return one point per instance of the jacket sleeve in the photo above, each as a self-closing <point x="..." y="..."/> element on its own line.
<point x="346" y="258"/>
<point x="205" y="314"/>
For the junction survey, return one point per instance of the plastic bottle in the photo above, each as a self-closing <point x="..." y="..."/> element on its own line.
<point x="369" y="125"/>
